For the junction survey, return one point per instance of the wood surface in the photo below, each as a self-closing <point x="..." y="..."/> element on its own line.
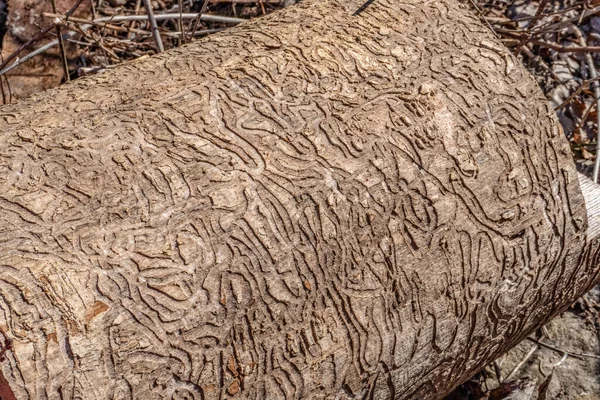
<point x="313" y="205"/>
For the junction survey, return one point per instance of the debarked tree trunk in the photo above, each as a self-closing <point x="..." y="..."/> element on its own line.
<point x="314" y="205"/>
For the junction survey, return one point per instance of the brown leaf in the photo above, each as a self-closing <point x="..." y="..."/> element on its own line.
<point x="586" y="154"/>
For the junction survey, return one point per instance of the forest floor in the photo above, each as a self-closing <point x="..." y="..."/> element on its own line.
<point x="557" y="40"/>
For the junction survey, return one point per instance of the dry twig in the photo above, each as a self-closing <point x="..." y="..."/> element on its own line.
<point x="154" y="27"/>
<point x="584" y="85"/>
<point x="34" y="53"/>
<point x="35" y="39"/>
<point x="520" y="364"/>
<point x="61" y="44"/>
<point x="535" y="18"/>
<point x="162" y="17"/>
<point x="569" y="353"/>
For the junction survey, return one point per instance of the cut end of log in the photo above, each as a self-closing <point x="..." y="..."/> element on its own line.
<point x="591" y="195"/>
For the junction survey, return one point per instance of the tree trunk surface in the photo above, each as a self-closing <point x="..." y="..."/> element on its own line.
<point x="316" y="205"/>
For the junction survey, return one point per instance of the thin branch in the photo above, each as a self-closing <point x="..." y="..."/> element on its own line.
<point x="584" y="85"/>
<point x="197" y="19"/>
<point x="61" y="44"/>
<point x="565" y="49"/>
<point x="562" y="11"/>
<point x="86" y="23"/>
<point x="5" y="68"/>
<point x="483" y="18"/>
<point x="498" y="372"/>
<point x="136" y="11"/>
<point x="569" y="353"/>
<point x="527" y="36"/>
<point x="523" y="361"/>
<point x="181" y="27"/>
<point x="34" y="53"/>
<point x="204" y="5"/>
<point x="199" y="33"/>
<point x="102" y="22"/>
<point x="567" y="22"/>
<point x="153" y="26"/>
<point x="35" y="39"/>
<point x="9" y="89"/>
<point x="194" y="27"/>
<point x="161" y="17"/>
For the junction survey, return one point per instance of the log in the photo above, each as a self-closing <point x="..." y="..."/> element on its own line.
<point x="335" y="201"/>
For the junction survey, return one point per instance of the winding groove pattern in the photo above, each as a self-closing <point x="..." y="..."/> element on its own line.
<point x="314" y="205"/>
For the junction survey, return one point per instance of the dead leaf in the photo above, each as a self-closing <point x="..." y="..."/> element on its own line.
<point x="586" y="154"/>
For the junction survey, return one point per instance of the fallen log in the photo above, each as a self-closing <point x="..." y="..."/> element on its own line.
<point x="335" y="201"/>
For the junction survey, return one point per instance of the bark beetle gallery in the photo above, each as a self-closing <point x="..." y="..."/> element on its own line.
<point x="313" y="205"/>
